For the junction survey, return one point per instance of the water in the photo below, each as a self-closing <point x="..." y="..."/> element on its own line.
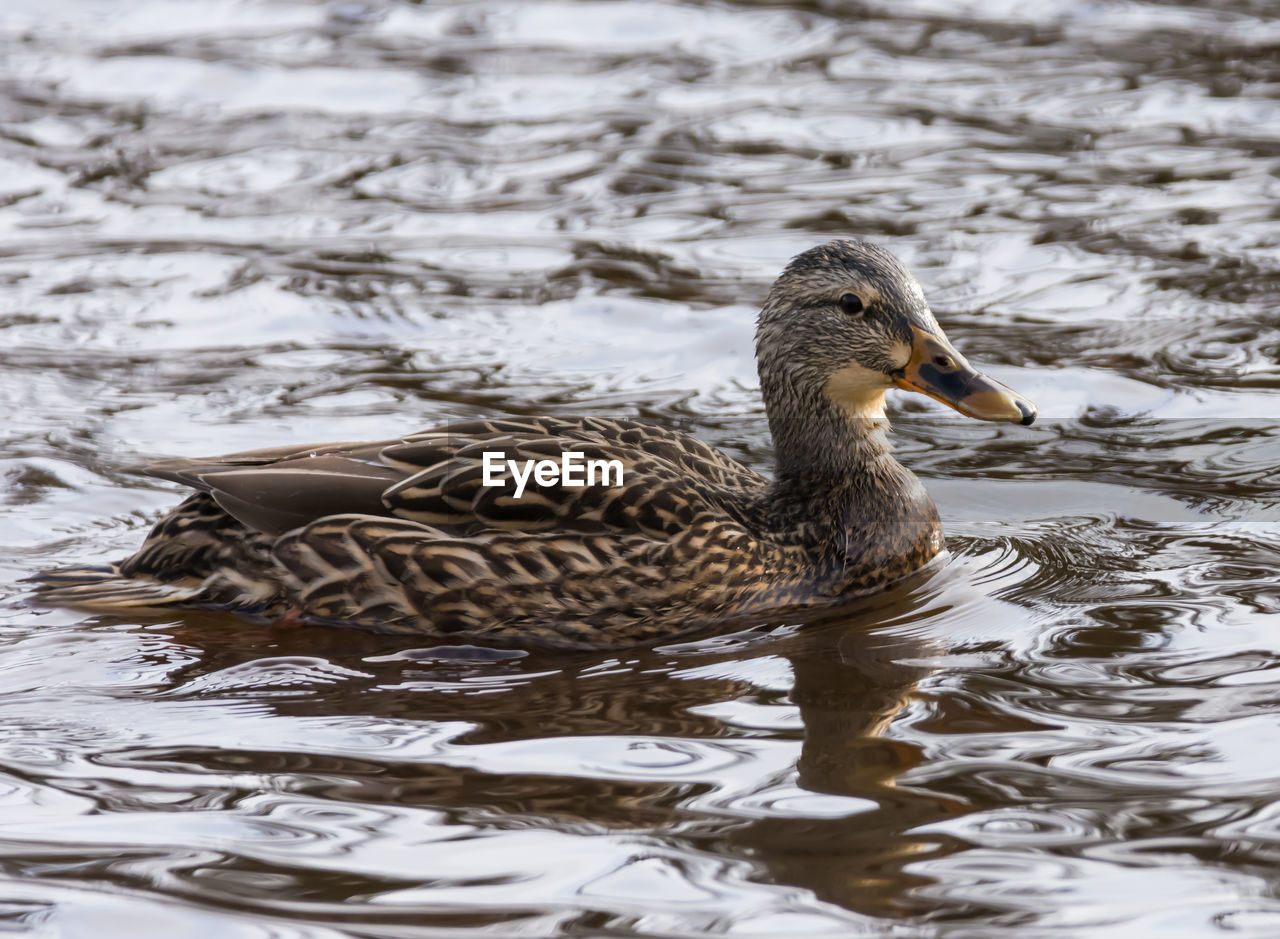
<point x="226" y="225"/>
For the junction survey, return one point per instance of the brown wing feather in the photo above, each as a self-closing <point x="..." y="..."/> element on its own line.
<point x="277" y="490"/>
<point x="436" y="477"/>
<point x="667" y="477"/>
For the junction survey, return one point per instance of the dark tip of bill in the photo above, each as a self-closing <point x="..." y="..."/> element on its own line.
<point x="1028" y="413"/>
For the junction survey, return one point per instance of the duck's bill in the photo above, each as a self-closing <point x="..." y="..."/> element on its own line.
<point x="936" y="369"/>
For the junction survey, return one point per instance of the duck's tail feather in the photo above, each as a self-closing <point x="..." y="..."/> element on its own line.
<point x="106" y="588"/>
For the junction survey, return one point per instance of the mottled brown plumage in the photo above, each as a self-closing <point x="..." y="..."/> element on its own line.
<point x="403" y="535"/>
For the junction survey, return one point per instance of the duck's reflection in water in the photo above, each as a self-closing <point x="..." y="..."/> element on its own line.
<point x="848" y="697"/>
<point x="553" y="744"/>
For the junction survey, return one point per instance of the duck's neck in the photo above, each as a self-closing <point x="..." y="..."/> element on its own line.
<point x="840" y="492"/>
<point x="832" y="466"/>
<point x="829" y="449"/>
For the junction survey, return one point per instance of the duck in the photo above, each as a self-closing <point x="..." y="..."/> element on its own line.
<point x="656" y="534"/>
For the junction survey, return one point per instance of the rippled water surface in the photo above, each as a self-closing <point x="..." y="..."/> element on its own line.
<point x="232" y="224"/>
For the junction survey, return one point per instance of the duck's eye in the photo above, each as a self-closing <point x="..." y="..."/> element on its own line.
<point x="851" y="304"/>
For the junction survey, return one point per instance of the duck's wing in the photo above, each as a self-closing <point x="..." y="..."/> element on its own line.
<point x="436" y="477"/>
<point x="658" y="482"/>
<point x="279" y="489"/>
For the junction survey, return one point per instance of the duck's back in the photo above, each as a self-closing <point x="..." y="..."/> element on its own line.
<point x="413" y="535"/>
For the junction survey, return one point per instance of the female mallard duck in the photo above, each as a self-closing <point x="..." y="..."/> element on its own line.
<point x="409" y="536"/>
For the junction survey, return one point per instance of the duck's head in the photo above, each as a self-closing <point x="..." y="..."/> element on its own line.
<point x="846" y="321"/>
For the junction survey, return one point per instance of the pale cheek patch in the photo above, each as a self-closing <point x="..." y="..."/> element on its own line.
<point x="900" y="354"/>
<point x="858" y="390"/>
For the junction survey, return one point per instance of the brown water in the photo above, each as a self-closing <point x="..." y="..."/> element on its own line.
<point x="230" y="224"/>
